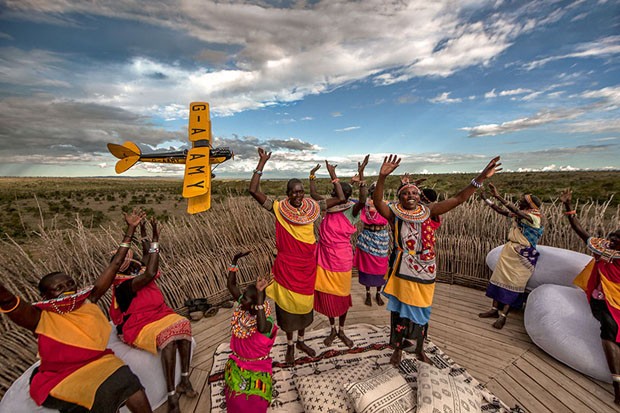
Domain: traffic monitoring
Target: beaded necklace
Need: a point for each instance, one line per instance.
(307, 213)
(243, 323)
(370, 206)
(600, 246)
(419, 214)
(65, 304)
(341, 207)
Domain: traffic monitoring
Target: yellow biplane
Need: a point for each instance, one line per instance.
(197, 160)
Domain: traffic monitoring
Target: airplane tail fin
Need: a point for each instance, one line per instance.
(127, 153)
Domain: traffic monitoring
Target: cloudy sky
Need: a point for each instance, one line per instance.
(445, 84)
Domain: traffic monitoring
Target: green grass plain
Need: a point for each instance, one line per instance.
(28, 203)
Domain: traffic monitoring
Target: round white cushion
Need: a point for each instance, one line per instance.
(558, 319)
(555, 265)
(145, 365)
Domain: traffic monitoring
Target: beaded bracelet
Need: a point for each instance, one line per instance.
(573, 212)
(124, 245)
(154, 251)
(259, 306)
(362, 184)
(233, 267)
(154, 245)
(335, 180)
(489, 202)
(256, 171)
(475, 183)
(3, 311)
(312, 177)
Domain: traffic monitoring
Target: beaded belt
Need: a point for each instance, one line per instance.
(374, 228)
(247, 359)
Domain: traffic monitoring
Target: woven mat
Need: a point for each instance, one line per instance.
(370, 343)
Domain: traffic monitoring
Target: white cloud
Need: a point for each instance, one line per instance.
(347, 129)
(512, 92)
(275, 60)
(490, 95)
(539, 119)
(603, 47)
(444, 98)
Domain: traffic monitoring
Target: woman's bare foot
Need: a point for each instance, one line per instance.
(423, 358)
(396, 357)
(173, 404)
(379, 299)
(616, 392)
(368, 301)
(304, 347)
(499, 323)
(330, 338)
(290, 355)
(492, 313)
(346, 340)
(185, 387)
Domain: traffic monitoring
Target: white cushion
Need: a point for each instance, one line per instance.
(438, 391)
(324, 392)
(387, 391)
(559, 320)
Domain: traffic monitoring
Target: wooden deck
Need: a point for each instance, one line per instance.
(507, 361)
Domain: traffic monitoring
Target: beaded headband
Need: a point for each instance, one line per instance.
(529, 200)
(406, 186)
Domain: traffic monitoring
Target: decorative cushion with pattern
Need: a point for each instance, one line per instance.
(325, 393)
(384, 392)
(439, 391)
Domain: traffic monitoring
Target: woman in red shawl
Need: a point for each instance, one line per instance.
(144, 320)
(294, 268)
(602, 288)
(77, 372)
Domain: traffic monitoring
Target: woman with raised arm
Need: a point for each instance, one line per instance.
(294, 268)
(602, 288)
(248, 371)
(372, 250)
(332, 295)
(518, 257)
(411, 283)
(77, 371)
(144, 320)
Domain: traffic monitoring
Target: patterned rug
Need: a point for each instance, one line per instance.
(370, 343)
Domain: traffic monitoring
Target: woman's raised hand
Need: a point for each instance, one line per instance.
(566, 196)
(362, 165)
(494, 191)
(133, 219)
(241, 255)
(390, 163)
(330, 168)
(316, 168)
(263, 155)
(489, 170)
(155, 229)
(263, 281)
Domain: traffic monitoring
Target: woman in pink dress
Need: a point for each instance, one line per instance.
(247, 374)
(332, 292)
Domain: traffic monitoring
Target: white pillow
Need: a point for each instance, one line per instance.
(438, 391)
(324, 392)
(387, 391)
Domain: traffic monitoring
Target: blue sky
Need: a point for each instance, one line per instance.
(445, 84)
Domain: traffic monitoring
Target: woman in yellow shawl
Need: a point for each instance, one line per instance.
(77, 373)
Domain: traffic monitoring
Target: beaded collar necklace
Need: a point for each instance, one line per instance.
(341, 207)
(419, 214)
(65, 304)
(307, 213)
(600, 246)
(370, 210)
(243, 323)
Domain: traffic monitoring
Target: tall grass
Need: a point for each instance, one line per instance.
(196, 250)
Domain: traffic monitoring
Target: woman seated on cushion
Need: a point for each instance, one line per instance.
(144, 320)
(248, 370)
(77, 372)
(602, 288)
